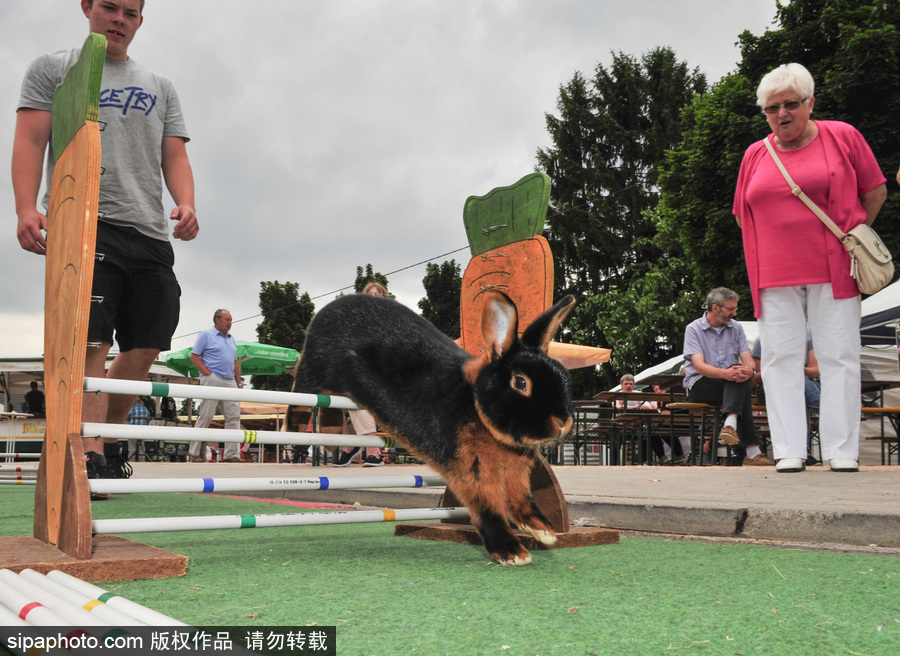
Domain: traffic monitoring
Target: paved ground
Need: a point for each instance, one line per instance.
(818, 506)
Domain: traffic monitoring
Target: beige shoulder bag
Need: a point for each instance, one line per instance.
(870, 260)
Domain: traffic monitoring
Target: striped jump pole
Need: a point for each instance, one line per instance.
(71, 614)
(145, 388)
(154, 524)
(176, 434)
(145, 485)
(79, 600)
(18, 468)
(22, 456)
(19, 481)
(141, 614)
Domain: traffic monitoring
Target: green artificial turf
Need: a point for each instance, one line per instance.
(395, 595)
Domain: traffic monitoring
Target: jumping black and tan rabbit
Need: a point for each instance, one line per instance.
(477, 420)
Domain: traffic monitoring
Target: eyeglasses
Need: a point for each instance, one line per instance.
(790, 105)
(732, 309)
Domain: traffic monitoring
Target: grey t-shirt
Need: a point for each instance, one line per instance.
(137, 109)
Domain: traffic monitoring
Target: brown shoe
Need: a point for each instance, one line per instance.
(759, 461)
(729, 436)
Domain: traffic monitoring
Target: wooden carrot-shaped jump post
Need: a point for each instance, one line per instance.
(62, 509)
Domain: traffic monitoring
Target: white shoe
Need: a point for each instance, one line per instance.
(787, 465)
(844, 465)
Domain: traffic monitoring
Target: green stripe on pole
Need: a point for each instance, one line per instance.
(248, 521)
(159, 389)
(323, 401)
(106, 596)
(249, 437)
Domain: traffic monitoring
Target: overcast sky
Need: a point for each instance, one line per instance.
(328, 135)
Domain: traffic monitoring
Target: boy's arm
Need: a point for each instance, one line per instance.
(33, 129)
(179, 176)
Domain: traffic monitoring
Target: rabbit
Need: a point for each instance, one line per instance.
(477, 420)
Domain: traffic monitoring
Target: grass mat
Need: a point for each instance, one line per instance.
(390, 596)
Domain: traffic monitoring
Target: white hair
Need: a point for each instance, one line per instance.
(787, 77)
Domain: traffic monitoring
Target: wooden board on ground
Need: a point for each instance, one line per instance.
(112, 559)
(576, 536)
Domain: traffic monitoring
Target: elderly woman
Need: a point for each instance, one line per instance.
(799, 271)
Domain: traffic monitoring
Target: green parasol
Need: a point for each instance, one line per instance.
(255, 359)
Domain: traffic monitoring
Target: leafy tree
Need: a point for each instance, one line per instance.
(440, 306)
(609, 140)
(363, 278)
(286, 316)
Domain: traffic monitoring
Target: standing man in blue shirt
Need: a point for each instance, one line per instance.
(719, 369)
(215, 356)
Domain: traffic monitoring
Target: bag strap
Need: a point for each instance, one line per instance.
(798, 192)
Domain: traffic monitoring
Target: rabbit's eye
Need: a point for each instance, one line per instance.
(521, 383)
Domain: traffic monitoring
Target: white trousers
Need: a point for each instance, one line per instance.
(207, 410)
(834, 326)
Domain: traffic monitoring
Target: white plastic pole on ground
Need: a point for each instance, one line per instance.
(72, 614)
(30, 610)
(9, 618)
(154, 524)
(145, 485)
(141, 613)
(176, 434)
(79, 600)
(145, 388)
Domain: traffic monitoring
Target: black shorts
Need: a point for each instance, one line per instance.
(141, 299)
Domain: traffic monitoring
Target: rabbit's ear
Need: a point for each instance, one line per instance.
(541, 331)
(499, 325)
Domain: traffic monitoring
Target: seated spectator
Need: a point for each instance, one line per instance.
(35, 401)
(719, 369)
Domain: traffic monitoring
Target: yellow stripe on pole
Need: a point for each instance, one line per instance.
(389, 515)
(91, 605)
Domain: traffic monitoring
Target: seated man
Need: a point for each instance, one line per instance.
(719, 369)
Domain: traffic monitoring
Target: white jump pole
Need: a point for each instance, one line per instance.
(71, 614)
(140, 613)
(145, 388)
(20, 481)
(145, 485)
(176, 434)
(28, 609)
(79, 600)
(18, 468)
(22, 456)
(154, 524)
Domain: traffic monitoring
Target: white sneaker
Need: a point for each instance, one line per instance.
(787, 465)
(844, 465)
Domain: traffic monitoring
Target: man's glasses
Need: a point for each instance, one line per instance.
(790, 105)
